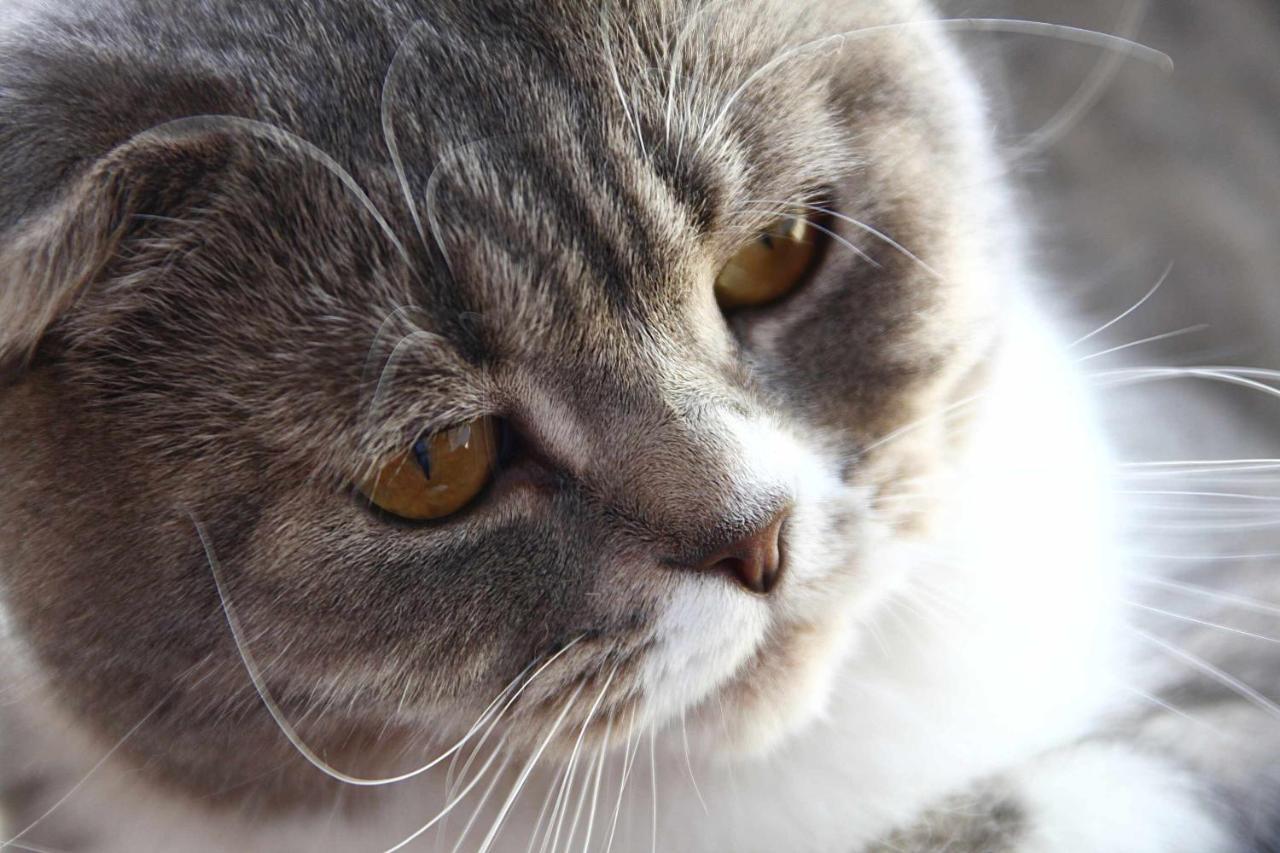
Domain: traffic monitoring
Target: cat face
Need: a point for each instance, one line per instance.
(496, 215)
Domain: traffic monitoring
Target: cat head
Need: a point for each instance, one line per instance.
(410, 346)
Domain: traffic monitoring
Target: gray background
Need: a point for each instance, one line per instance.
(1178, 168)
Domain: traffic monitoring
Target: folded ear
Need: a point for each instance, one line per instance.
(48, 258)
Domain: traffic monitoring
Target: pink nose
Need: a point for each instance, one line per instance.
(755, 560)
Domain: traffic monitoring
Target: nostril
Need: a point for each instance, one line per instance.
(735, 568)
(754, 560)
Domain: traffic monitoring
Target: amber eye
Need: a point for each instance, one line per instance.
(770, 267)
(439, 474)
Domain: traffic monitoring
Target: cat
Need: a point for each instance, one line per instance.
(630, 426)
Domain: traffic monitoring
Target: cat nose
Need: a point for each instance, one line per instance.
(754, 560)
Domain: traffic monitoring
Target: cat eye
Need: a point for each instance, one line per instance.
(771, 266)
(439, 474)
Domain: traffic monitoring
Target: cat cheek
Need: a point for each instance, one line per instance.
(706, 632)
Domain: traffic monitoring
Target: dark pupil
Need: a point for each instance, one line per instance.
(422, 452)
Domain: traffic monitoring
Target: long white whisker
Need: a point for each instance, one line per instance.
(628, 758)
(573, 762)
(922, 422)
(29, 846)
(1229, 376)
(1134, 307)
(1203, 623)
(433, 182)
(524, 773)
(677, 54)
(286, 728)
(1160, 703)
(1228, 680)
(998, 25)
(280, 136)
(1212, 464)
(688, 762)
(449, 806)
(484, 798)
(1195, 494)
(389, 131)
(1208, 558)
(595, 789)
(392, 364)
(865, 228)
(617, 81)
(562, 784)
(1198, 327)
(653, 788)
(12, 841)
(1089, 92)
(1226, 598)
(542, 812)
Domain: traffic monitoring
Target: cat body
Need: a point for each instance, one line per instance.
(249, 250)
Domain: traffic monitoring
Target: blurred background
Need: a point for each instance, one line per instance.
(1128, 170)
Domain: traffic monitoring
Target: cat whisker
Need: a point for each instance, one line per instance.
(1181, 617)
(1172, 709)
(577, 812)
(1209, 470)
(388, 125)
(484, 799)
(866, 229)
(449, 806)
(1186, 526)
(561, 810)
(1226, 679)
(688, 762)
(1230, 376)
(29, 846)
(574, 757)
(1198, 327)
(556, 781)
(390, 366)
(524, 774)
(889, 607)
(13, 840)
(285, 138)
(1089, 92)
(1256, 372)
(911, 427)
(1206, 479)
(1195, 512)
(675, 56)
(653, 788)
(1164, 277)
(1194, 494)
(994, 25)
(628, 759)
(1207, 558)
(595, 788)
(602, 753)
(838, 238)
(288, 730)
(616, 78)
(475, 751)
(396, 314)
(1239, 601)
(438, 172)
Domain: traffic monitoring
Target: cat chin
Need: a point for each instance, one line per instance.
(784, 689)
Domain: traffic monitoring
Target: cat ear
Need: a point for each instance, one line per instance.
(48, 259)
